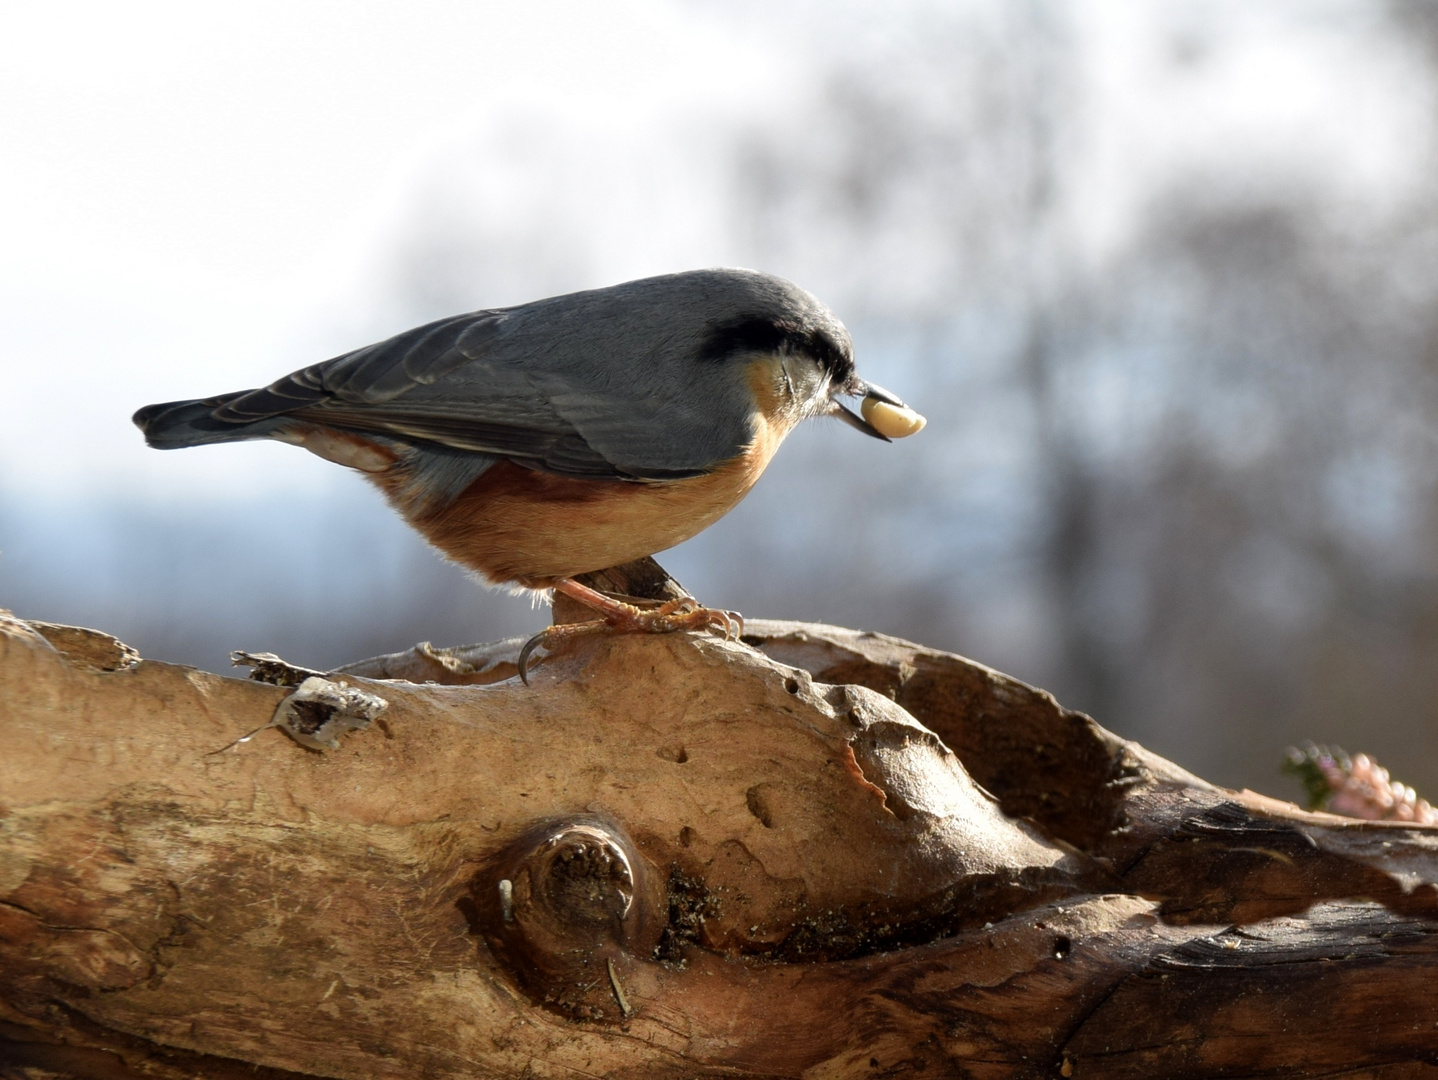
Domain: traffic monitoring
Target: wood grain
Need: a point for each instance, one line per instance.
(821, 853)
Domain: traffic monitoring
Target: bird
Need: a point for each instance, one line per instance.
(536, 443)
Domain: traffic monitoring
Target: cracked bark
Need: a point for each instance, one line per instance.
(816, 853)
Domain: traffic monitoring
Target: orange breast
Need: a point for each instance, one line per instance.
(518, 525)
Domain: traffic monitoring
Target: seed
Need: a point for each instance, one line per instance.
(895, 421)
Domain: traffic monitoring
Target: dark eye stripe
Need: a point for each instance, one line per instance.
(759, 334)
(745, 335)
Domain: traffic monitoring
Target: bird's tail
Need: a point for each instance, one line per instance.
(170, 425)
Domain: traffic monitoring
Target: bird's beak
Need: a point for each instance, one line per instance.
(854, 420)
(869, 390)
(884, 415)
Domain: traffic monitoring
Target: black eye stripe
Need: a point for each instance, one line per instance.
(745, 335)
(764, 335)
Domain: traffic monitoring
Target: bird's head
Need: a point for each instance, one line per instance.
(801, 364)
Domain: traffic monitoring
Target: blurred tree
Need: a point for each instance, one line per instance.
(1211, 511)
(1182, 475)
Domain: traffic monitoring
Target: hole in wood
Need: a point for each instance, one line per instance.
(562, 905)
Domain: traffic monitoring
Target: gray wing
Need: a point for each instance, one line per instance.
(566, 388)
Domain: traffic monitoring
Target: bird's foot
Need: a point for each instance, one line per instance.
(619, 617)
(686, 613)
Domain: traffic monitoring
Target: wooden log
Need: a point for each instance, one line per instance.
(814, 853)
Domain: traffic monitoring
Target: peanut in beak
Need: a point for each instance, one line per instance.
(893, 421)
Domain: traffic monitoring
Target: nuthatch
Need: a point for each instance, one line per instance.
(535, 443)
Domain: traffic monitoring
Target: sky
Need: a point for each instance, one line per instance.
(198, 198)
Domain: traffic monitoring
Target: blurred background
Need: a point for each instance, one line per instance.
(1162, 276)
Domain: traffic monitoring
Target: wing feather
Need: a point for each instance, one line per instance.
(617, 382)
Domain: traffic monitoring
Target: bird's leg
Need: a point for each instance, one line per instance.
(684, 613)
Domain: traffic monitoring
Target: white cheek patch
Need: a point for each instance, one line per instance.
(894, 421)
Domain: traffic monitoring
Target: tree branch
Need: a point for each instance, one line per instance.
(818, 852)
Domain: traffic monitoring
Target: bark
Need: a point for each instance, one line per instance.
(815, 852)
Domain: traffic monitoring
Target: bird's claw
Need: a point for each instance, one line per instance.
(551, 636)
(684, 613)
(697, 617)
